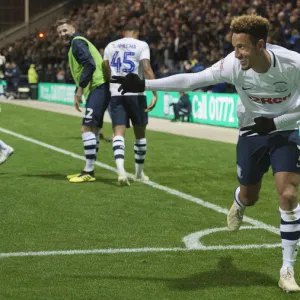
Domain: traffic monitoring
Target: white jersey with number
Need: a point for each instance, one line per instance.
(124, 56)
(269, 94)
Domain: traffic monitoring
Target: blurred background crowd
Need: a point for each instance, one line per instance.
(183, 35)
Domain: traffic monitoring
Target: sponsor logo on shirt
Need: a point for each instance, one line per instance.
(269, 100)
(280, 86)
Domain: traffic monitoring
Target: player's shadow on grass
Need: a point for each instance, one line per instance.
(226, 274)
(73, 138)
(109, 181)
(53, 176)
(58, 176)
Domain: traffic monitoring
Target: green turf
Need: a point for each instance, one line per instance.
(42, 211)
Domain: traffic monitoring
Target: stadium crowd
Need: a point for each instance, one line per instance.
(183, 35)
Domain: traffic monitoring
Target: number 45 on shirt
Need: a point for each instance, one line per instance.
(117, 62)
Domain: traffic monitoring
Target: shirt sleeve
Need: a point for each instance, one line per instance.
(84, 57)
(223, 70)
(296, 77)
(145, 54)
(220, 72)
(288, 119)
(181, 82)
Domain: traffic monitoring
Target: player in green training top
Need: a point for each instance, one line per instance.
(88, 72)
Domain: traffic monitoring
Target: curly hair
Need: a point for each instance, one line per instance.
(256, 26)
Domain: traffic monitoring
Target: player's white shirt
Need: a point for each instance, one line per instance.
(269, 94)
(124, 56)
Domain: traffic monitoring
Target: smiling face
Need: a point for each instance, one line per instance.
(246, 51)
(65, 32)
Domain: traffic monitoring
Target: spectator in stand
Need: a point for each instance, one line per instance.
(68, 75)
(173, 30)
(163, 72)
(15, 77)
(183, 106)
(33, 78)
(50, 75)
(8, 78)
(60, 75)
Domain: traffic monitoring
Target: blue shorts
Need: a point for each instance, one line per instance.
(125, 108)
(96, 105)
(255, 154)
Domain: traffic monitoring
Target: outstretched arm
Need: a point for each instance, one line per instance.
(220, 72)
(182, 82)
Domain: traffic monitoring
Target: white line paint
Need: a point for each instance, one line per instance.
(212, 206)
(92, 251)
(154, 185)
(240, 247)
(193, 240)
(136, 250)
(151, 183)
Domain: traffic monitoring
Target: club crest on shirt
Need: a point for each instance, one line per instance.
(280, 86)
(222, 64)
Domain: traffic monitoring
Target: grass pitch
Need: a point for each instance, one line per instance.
(42, 211)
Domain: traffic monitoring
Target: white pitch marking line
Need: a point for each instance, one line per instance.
(136, 250)
(192, 241)
(152, 184)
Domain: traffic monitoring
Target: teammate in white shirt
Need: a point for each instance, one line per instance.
(267, 79)
(5, 150)
(123, 56)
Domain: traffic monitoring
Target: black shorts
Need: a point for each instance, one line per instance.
(125, 108)
(255, 154)
(96, 105)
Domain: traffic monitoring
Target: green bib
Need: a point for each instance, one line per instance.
(77, 69)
